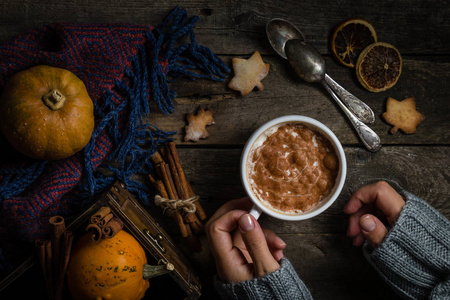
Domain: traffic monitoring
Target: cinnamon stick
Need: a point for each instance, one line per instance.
(43, 260)
(112, 228)
(64, 263)
(96, 232)
(176, 176)
(195, 228)
(200, 212)
(200, 225)
(195, 224)
(152, 178)
(176, 161)
(102, 223)
(171, 182)
(190, 218)
(161, 170)
(49, 266)
(188, 229)
(179, 220)
(159, 185)
(57, 229)
(156, 158)
(100, 214)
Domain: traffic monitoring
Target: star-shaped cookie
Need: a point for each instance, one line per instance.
(403, 115)
(248, 73)
(197, 125)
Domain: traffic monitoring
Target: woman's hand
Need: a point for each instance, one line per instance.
(368, 208)
(241, 248)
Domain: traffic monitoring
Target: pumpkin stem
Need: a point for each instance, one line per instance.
(54, 99)
(150, 271)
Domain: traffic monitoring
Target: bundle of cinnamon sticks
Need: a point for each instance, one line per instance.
(53, 255)
(177, 197)
(103, 224)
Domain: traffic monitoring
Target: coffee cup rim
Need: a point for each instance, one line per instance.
(340, 179)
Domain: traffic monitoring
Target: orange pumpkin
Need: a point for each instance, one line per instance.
(46, 113)
(109, 269)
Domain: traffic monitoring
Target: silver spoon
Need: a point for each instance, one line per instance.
(310, 66)
(280, 31)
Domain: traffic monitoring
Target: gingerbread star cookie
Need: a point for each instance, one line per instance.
(248, 73)
(197, 125)
(403, 115)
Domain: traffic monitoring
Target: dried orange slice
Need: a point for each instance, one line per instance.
(350, 38)
(379, 66)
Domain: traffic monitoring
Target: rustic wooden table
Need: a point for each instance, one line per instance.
(318, 248)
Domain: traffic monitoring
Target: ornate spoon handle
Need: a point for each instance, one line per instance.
(369, 138)
(361, 110)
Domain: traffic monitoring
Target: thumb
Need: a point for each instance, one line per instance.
(255, 241)
(373, 229)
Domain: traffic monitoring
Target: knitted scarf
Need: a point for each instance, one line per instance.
(123, 67)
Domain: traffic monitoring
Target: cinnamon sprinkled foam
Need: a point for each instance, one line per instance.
(291, 168)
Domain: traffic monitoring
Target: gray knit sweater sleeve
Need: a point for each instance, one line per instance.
(414, 258)
(283, 284)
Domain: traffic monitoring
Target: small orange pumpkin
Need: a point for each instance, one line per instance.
(109, 269)
(46, 113)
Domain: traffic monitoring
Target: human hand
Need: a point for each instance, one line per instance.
(241, 248)
(367, 206)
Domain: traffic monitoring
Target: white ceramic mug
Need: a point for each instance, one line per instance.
(312, 124)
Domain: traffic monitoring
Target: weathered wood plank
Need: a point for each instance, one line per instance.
(238, 27)
(284, 94)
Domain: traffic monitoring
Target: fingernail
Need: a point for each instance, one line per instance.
(246, 223)
(368, 224)
(281, 242)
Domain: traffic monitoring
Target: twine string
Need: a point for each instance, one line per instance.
(172, 205)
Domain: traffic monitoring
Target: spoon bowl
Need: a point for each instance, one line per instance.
(306, 61)
(279, 32)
